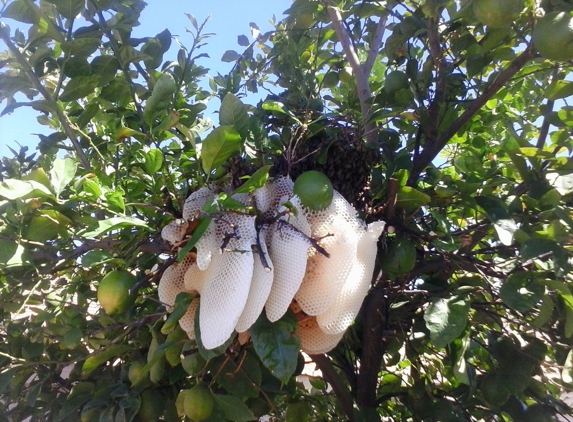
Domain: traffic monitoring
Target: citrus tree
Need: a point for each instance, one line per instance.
(449, 121)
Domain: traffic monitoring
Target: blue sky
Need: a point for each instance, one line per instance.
(229, 19)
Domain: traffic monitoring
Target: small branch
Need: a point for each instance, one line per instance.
(391, 198)
(375, 45)
(331, 376)
(364, 93)
(432, 150)
(544, 131)
(38, 84)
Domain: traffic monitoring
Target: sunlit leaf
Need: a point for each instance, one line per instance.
(446, 318)
(93, 362)
(234, 113)
(220, 145)
(112, 224)
(257, 180)
(62, 173)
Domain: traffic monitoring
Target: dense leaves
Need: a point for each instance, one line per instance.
(438, 117)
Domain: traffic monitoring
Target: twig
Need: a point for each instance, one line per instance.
(543, 132)
(38, 84)
(433, 149)
(332, 377)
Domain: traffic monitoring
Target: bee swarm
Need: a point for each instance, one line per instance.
(319, 263)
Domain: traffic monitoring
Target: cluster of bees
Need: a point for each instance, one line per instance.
(281, 256)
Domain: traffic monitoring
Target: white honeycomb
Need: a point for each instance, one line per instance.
(313, 340)
(346, 306)
(174, 232)
(196, 201)
(173, 280)
(235, 284)
(260, 288)
(288, 250)
(224, 295)
(325, 276)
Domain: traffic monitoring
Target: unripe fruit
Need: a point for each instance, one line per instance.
(553, 36)
(198, 402)
(395, 81)
(113, 292)
(314, 190)
(497, 13)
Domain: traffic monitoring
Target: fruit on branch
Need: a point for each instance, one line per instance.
(198, 402)
(113, 292)
(314, 190)
(497, 13)
(553, 36)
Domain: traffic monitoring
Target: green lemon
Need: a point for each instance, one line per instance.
(553, 36)
(497, 13)
(399, 258)
(151, 406)
(198, 403)
(113, 292)
(395, 81)
(314, 190)
(136, 376)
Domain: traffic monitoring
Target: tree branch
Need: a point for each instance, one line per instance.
(372, 347)
(331, 376)
(375, 45)
(364, 93)
(432, 149)
(44, 92)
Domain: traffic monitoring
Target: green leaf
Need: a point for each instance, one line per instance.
(220, 145)
(230, 56)
(279, 107)
(235, 410)
(41, 228)
(112, 224)
(446, 318)
(257, 180)
(22, 11)
(199, 230)
(12, 189)
(153, 161)
(128, 54)
(12, 254)
(79, 87)
(240, 378)
(69, 9)
(234, 113)
(276, 345)
(106, 67)
(182, 302)
(62, 173)
(409, 197)
(521, 291)
(493, 207)
(243, 40)
(92, 363)
(81, 47)
(545, 312)
(534, 247)
(558, 90)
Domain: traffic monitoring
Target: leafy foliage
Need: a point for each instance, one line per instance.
(456, 133)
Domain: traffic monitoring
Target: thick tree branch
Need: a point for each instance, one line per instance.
(372, 348)
(44, 92)
(432, 149)
(333, 378)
